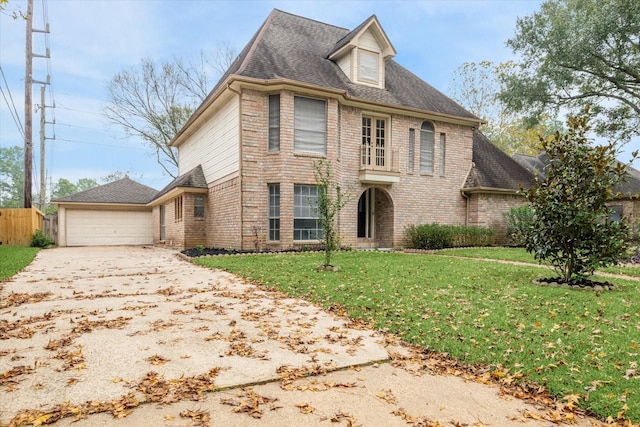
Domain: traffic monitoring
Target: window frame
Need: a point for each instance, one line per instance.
(376, 140)
(303, 133)
(273, 211)
(273, 120)
(443, 152)
(305, 213)
(364, 77)
(427, 137)
(199, 206)
(412, 150)
(177, 208)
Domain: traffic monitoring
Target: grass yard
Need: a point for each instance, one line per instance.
(521, 255)
(14, 259)
(573, 342)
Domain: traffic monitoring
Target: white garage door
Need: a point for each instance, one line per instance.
(103, 227)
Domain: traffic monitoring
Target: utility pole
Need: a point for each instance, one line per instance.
(28, 111)
(28, 125)
(43, 178)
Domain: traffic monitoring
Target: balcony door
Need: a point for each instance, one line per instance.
(373, 142)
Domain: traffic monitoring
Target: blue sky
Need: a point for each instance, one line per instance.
(92, 40)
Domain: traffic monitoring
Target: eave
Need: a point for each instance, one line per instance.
(175, 192)
(101, 206)
(235, 83)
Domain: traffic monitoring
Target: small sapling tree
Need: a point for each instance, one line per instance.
(570, 231)
(331, 199)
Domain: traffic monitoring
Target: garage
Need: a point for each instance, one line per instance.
(109, 215)
(108, 227)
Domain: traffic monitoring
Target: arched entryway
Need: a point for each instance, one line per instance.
(375, 219)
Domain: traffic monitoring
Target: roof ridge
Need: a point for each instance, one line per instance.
(255, 41)
(310, 19)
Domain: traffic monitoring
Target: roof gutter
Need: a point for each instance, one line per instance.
(488, 190)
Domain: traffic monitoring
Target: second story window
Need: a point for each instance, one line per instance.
(310, 125)
(274, 122)
(443, 152)
(412, 149)
(373, 141)
(426, 148)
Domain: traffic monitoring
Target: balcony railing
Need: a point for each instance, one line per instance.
(379, 165)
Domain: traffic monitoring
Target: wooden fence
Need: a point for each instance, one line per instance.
(50, 226)
(18, 225)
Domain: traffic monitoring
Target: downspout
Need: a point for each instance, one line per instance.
(466, 215)
(240, 159)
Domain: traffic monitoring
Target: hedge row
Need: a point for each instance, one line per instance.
(436, 236)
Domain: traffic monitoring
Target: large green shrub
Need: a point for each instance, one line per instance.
(570, 230)
(436, 236)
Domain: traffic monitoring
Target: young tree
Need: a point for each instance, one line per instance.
(331, 199)
(579, 52)
(154, 100)
(570, 230)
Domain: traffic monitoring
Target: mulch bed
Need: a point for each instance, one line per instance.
(198, 252)
(580, 284)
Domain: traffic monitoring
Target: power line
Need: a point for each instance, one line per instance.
(12, 107)
(102, 144)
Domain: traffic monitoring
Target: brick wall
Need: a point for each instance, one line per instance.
(418, 198)
(222, 214)
(194, 228)
(488, 209)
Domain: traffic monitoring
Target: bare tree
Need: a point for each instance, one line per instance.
(477, 87)
(154, 100)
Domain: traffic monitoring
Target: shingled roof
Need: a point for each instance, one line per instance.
(192, 179)
(628, 187)
(122, 191)
(494, 169)
(295, 48)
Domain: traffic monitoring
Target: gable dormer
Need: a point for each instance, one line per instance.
(363, 53)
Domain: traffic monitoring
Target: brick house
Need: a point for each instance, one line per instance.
(302, 91)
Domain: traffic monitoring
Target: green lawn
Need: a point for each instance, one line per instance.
(14, 259)
(521, 255)
(570, 341)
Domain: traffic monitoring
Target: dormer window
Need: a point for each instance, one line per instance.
(363, 54)
(368, 66)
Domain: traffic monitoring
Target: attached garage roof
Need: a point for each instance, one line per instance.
(123, 191)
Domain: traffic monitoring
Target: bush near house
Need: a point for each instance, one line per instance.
(519, 221)
(41, 239)
(437, 236)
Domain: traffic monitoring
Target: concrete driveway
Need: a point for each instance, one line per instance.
(138, 336)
